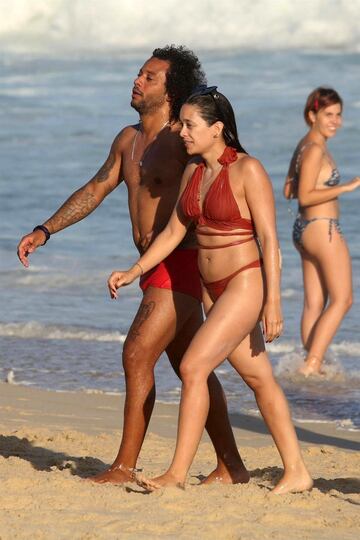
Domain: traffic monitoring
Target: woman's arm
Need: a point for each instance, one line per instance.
(260, 199)
(162, 246)
(288, 189)
(311, 164)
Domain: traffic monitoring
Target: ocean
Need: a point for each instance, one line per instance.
(66, 74)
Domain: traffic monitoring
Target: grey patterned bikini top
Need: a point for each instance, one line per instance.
(334, 179)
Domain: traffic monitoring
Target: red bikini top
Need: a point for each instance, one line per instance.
(220, 210)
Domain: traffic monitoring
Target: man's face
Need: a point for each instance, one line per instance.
(149, 92)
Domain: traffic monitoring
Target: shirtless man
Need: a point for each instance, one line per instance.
(150, 158)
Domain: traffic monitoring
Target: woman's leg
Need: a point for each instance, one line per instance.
(227, 471)
(333, 259)
(315, 298)
(252, 363)
(229, 463)
(231, 318)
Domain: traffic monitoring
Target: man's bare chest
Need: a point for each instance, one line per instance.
(158, 172)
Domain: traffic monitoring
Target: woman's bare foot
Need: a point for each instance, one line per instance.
(116, 474)
(312, 366)
(152, 484)
(295, 481)
(227, 476)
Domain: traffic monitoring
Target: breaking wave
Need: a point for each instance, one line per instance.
(53, 26)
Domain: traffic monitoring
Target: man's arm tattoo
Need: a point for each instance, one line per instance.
(81, 203)
(103, 173)
(78, 206)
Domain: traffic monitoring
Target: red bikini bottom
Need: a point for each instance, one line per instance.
(216, 288)
(179, 272)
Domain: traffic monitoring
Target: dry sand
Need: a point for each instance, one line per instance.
(50, 441)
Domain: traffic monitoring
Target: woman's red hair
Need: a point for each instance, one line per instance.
(319, 99)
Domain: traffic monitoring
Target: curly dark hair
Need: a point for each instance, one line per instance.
(183, 76)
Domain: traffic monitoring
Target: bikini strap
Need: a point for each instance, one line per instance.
(228, 156)
(227, 233)
(235, 243)
(299, 154)
(195, 177)
(224, 281)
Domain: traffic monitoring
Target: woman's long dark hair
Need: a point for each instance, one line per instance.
(213, 107)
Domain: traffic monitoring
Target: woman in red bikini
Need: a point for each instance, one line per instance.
(314, 180)
(228, 196)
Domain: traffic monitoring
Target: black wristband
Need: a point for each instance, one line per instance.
(45, 230)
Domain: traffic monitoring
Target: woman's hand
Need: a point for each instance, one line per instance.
(120, 278)
(289, 190)
(272, 320)
(353, 184)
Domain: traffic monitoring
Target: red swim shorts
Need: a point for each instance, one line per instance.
(179, 272)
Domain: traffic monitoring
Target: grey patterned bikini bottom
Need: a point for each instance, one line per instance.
(301, 223)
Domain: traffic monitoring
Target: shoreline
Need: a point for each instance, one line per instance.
(249, 429)
(50, 441)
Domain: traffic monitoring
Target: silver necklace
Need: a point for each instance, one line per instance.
(208, 182)
(141, 161)
(212, 177)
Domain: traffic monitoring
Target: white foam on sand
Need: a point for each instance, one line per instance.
(346, 424)
(350, 348)
(40, 331)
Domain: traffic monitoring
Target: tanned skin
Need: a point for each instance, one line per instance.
(166, 320)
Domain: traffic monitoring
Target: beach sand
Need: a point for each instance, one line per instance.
(51, 441)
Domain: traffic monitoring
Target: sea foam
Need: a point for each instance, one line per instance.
(50, 26)
(36, 330)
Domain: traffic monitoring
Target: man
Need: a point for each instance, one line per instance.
(150, 158)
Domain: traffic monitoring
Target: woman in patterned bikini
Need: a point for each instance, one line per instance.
(228, 196)
(313, 179)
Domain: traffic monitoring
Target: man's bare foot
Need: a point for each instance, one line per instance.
(116, 474)
(152, 484)
(295, 481)
(225, 476)
(312, 366)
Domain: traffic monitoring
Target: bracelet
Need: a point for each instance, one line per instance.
(45, 230)
(141, 268)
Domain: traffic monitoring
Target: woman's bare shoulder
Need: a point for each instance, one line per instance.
(249, 165)
(191, 165)
(311, 149)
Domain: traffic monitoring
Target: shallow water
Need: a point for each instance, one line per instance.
(58, 328)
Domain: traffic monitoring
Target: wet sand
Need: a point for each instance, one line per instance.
(51, 441)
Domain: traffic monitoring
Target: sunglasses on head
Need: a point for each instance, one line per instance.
(205, 91)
